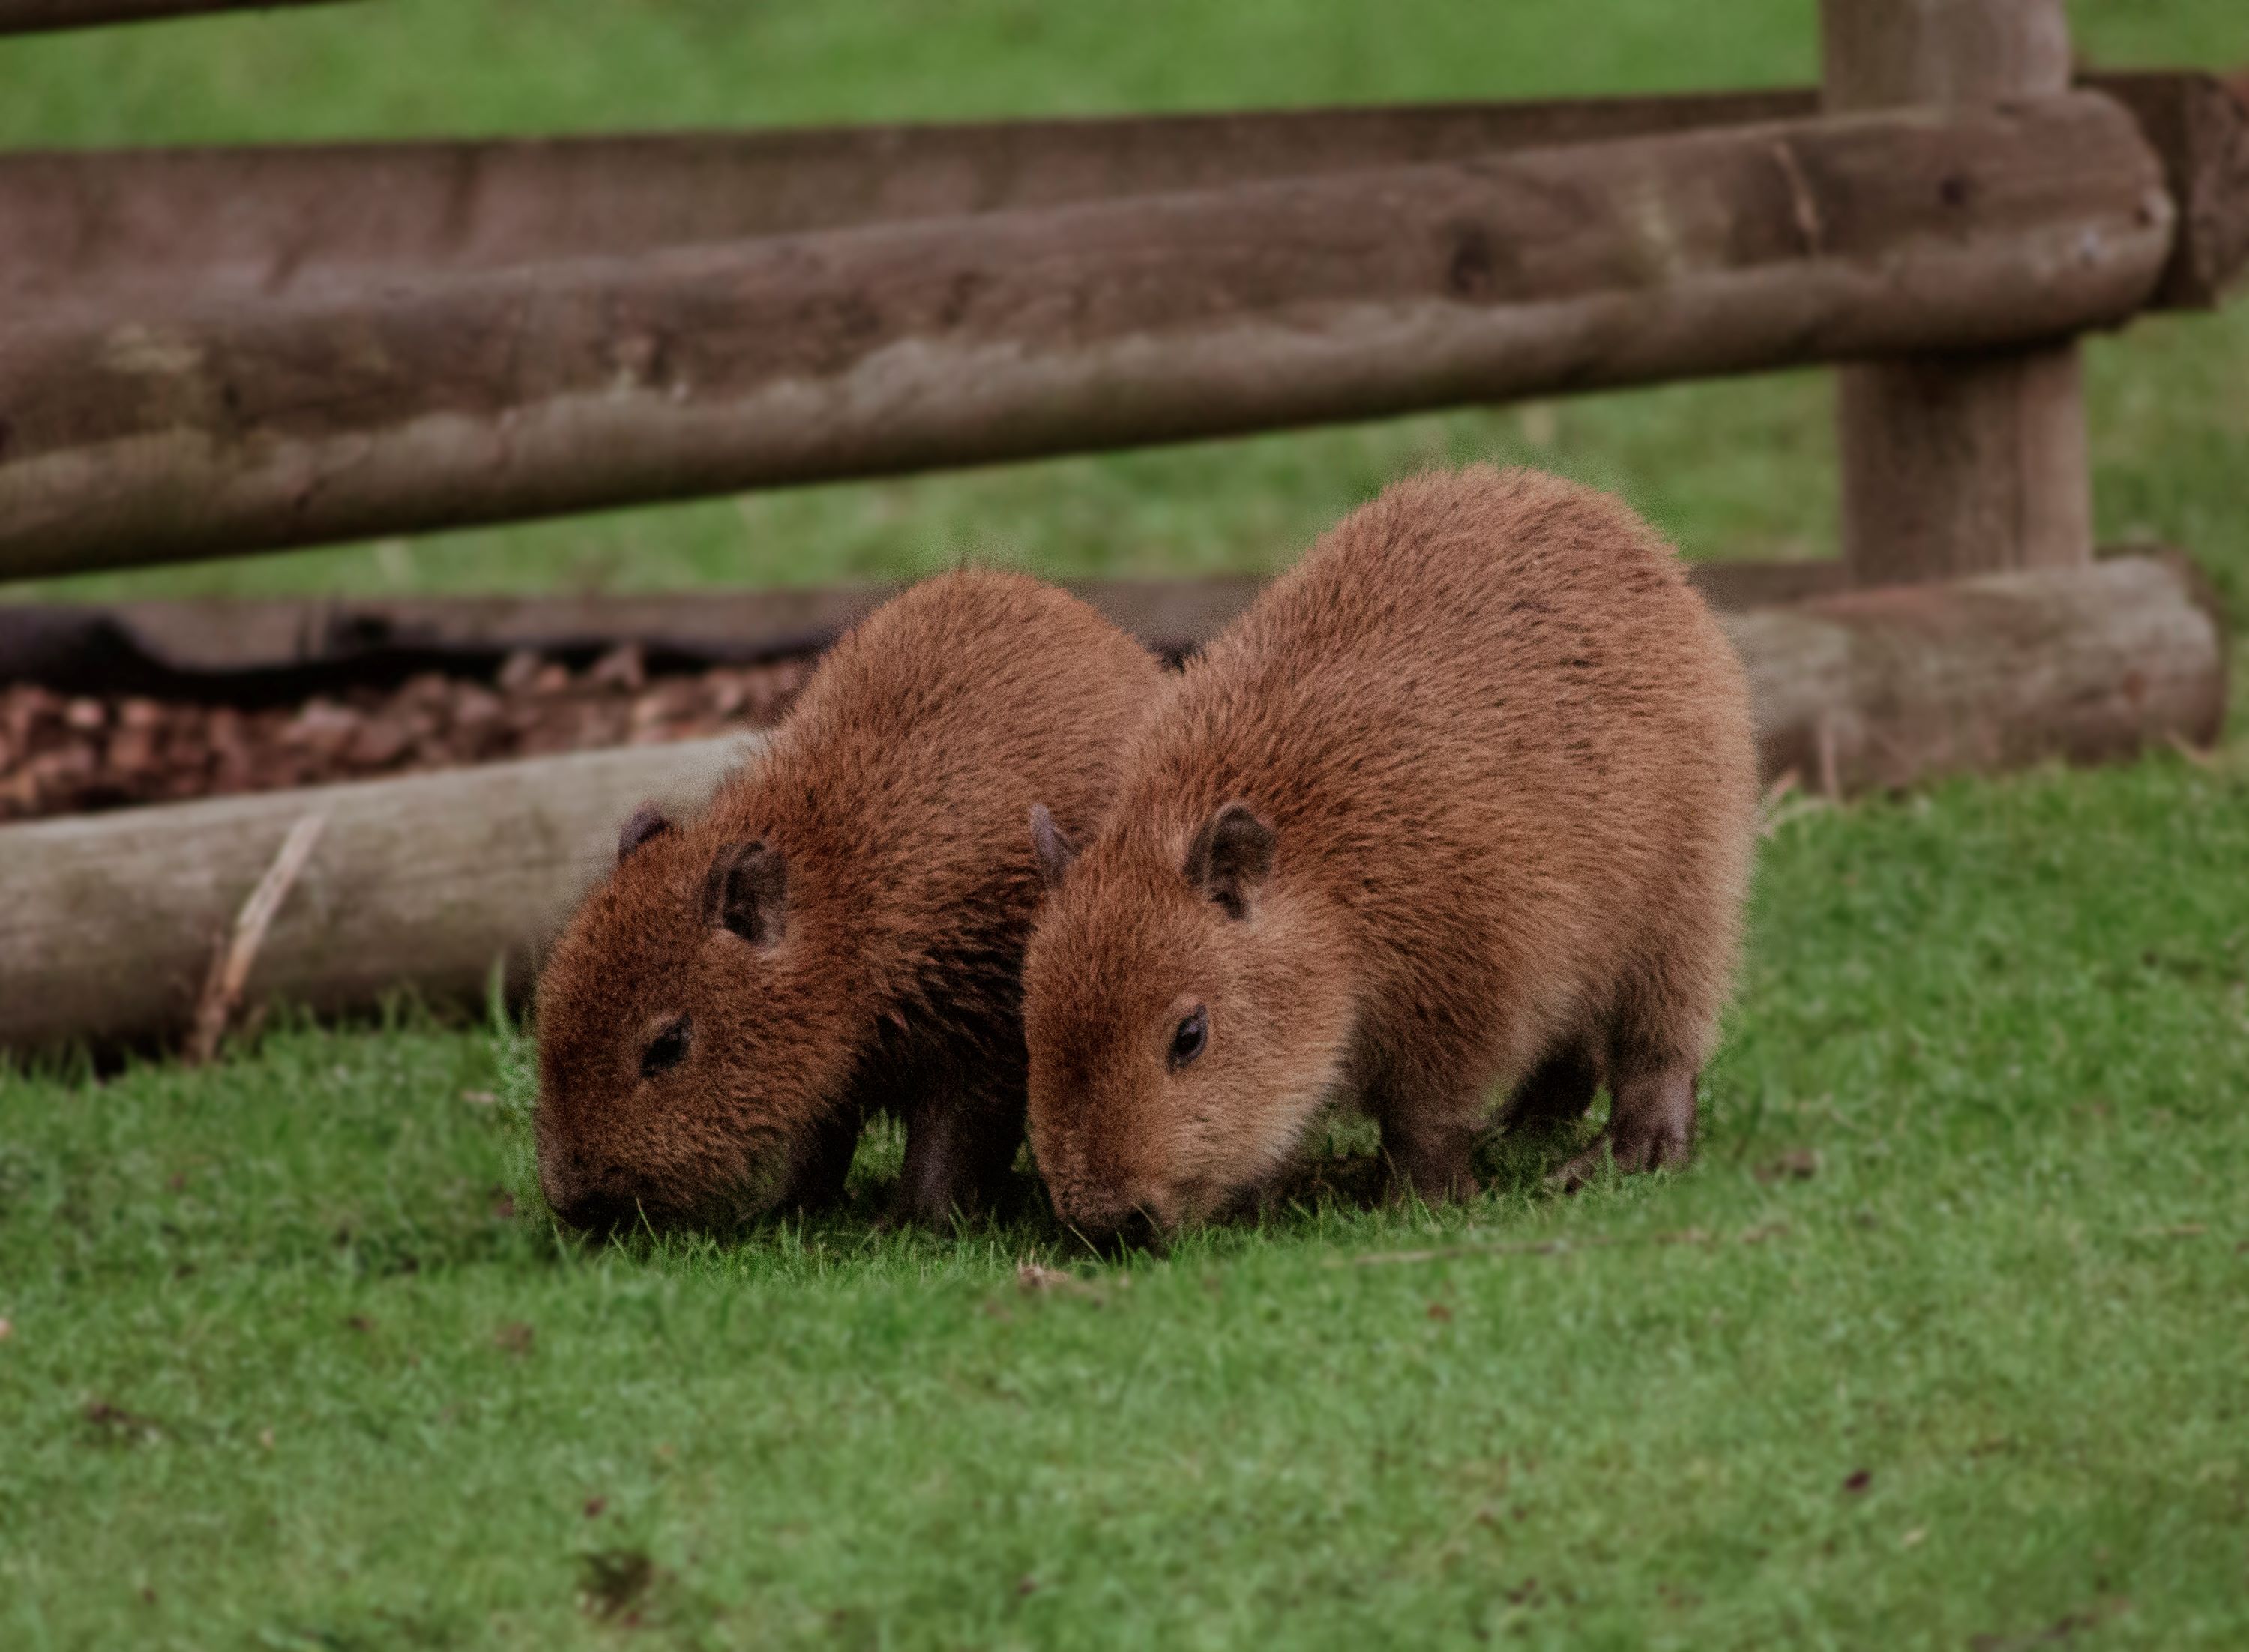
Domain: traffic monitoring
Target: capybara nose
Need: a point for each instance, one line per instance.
(1110, 1226)
(598, 1212)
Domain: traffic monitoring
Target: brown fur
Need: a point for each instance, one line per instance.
(1499, 781)
(874, 866)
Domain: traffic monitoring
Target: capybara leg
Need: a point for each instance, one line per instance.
(960, 1144)
(1429, 1145)
(1433, 1166)
(820, 1161)
(1557, 1091)
(1651, 1124)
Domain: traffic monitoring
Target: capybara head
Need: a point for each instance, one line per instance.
(1187, 1009)
(685, 1038)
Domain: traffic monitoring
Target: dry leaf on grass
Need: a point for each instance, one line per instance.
(1034, 1279)
(1798, 1164)
(119, 1423)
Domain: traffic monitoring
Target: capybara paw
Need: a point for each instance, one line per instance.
(1631, 1151)
(1434, 1172)
(1430, 1187)
(927, 1206)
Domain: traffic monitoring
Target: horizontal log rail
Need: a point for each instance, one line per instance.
(224, 649)
(108, 922)
(151, 228)
(525, 391)
(32, 16)
(148, 226)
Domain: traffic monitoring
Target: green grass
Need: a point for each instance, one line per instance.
(2010, 1021)
(268, 1380)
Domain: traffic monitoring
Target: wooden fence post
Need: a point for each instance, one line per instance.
(1956, 464)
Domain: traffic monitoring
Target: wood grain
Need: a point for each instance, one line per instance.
(154, 229)
(526, 392)
(1953, 463)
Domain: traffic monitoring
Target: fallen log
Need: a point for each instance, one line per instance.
(108, 922)
(151, 229)
(1872, 690)
(953, 341)
(32, 16)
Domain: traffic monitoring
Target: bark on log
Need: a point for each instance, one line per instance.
(1954, 464)
(107, 922)
(94, 229)
(152, 229)
(31, 16)
(2200, 126)
(1884, 689)
(965, 340)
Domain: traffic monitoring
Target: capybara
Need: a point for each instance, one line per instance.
(1464, 805)
(842, 930)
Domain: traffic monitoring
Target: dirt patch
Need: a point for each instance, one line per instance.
(72, 754)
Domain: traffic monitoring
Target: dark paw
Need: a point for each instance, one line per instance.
(1632, 1152)
(1433, 1184)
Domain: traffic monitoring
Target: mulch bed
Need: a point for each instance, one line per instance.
(70, 754)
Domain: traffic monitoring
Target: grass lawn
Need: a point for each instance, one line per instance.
(1941, 1342)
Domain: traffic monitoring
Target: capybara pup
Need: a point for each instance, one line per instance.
(1465, 804)
(842, 930)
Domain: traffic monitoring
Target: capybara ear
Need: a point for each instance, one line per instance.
(1230, 858)
(647, 822)
(748, 892)
(1055, 851)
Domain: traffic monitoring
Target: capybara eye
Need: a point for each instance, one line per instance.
(1192, 1033)
(666, 1050)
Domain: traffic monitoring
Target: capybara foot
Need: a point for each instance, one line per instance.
(1650, 1128)
(960, 1142)
(1431, 1164)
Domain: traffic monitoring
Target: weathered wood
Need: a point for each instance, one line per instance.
(107, 922)
(951, 341)
(1952, 465)
(2200, 126)
(154, 229)
(201, 647)
(31, 16)
(1885, 688)
(148, 227)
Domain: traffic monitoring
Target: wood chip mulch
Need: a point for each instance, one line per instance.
(63, 755)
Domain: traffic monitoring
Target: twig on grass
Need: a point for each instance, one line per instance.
(238, 953)
(2201, 757)
(1786, 801)
(1831, 784)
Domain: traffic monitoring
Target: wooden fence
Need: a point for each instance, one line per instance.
(215, 352)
